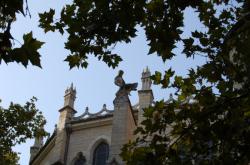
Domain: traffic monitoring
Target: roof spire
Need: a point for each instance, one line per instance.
(70, 95)
(146, 81)
(87, 109)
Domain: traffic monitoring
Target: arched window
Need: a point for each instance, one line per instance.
(101, 154)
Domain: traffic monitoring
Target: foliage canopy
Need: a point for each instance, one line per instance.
(28, 50)
(208, 121)
(18, 123)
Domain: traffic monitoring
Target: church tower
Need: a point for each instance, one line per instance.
(98, 137)
(63, 126)
(146, 96)
(67, 112)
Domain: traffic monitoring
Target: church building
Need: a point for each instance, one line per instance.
(94, 138)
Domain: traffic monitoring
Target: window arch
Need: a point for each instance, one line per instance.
(101, 154)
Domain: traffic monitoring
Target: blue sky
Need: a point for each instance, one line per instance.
(94, 85)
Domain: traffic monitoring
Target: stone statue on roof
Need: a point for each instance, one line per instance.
(125, 89)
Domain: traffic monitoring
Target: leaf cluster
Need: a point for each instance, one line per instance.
(17, 124)
(208, 121)
(95, 27)
(28, 51)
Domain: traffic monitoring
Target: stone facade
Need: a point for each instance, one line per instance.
(76, 139)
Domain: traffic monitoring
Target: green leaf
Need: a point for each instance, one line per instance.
(46, 20)
(197, 34)
(166, 79)
(74, 60)
(156, 77)
(31, 46)
(204, 41)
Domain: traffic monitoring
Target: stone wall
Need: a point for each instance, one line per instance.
(49, 158)
(85, 137)
(47, 155)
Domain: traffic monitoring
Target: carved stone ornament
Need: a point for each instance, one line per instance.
(86, 115)
(79, 159)
(125, 89)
